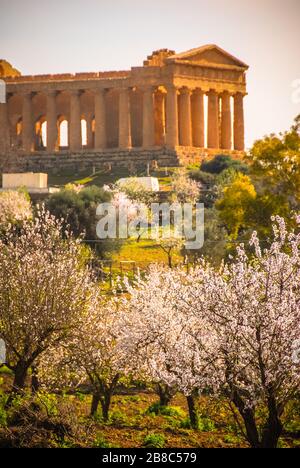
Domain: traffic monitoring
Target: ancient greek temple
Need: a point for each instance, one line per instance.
(175, 107)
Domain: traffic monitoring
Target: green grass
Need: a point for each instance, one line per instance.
(103, 177)
(172, 411)
(145, 251)
(154, 441)
(193, 167)
(100, 178)
(6, 370)
(100, 442)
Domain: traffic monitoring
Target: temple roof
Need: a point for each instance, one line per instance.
(209, 54)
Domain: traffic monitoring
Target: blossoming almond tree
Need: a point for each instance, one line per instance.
(157, 334)
(14, 207)
(91, 356)
(233, 331)
(185, 189)
(170, 244)
(253, 307)
(138, 215)
(44, 290)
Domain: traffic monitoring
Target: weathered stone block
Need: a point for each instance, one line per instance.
(25, 179)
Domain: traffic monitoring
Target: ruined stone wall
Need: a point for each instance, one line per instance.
(90, 161)
(114, 158)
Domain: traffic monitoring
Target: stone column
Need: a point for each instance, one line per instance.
(100, 119)
(172, 117)
(124, 119)
(226, 140)
(160, 137)
(75, 142)
(213, 120)
(52, 133)
(4, 128)
(27, 123)
(148, 117)
(89, 132)
(185, 117)
(197, 103)
(238, 122)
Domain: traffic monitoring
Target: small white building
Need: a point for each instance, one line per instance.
(34, 182)
(30, 180)
(149, 183)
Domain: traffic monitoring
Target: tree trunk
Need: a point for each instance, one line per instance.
(192, 412)
(34, 381)
(20, 377)
(105, 403)
(18, 386)
(251, 429)
(165, 393)
(94, 404)
(170, 260)
(249, 420)
(271, 434)
(103, 394)
(273, 428)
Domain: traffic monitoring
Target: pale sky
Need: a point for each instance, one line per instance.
(56, 36)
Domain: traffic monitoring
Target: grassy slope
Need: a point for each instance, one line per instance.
(101, 178)
(144, 251)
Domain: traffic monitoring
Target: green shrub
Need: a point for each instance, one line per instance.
(221, 162)
(172, 411)
(78, 209)
(3, 413)
(49, 402)
(6, 370)
(154, 441)
(80, 396)
(100, 442)
(117, 417)
(64, 444)
(204, 424)
(282, 444)
(231, 439)
(292, 426)
(154, 408)
(135, 398)
(292, 417)
(185, 424)
(205, 178)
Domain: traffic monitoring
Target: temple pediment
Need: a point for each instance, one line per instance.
(208, 55)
